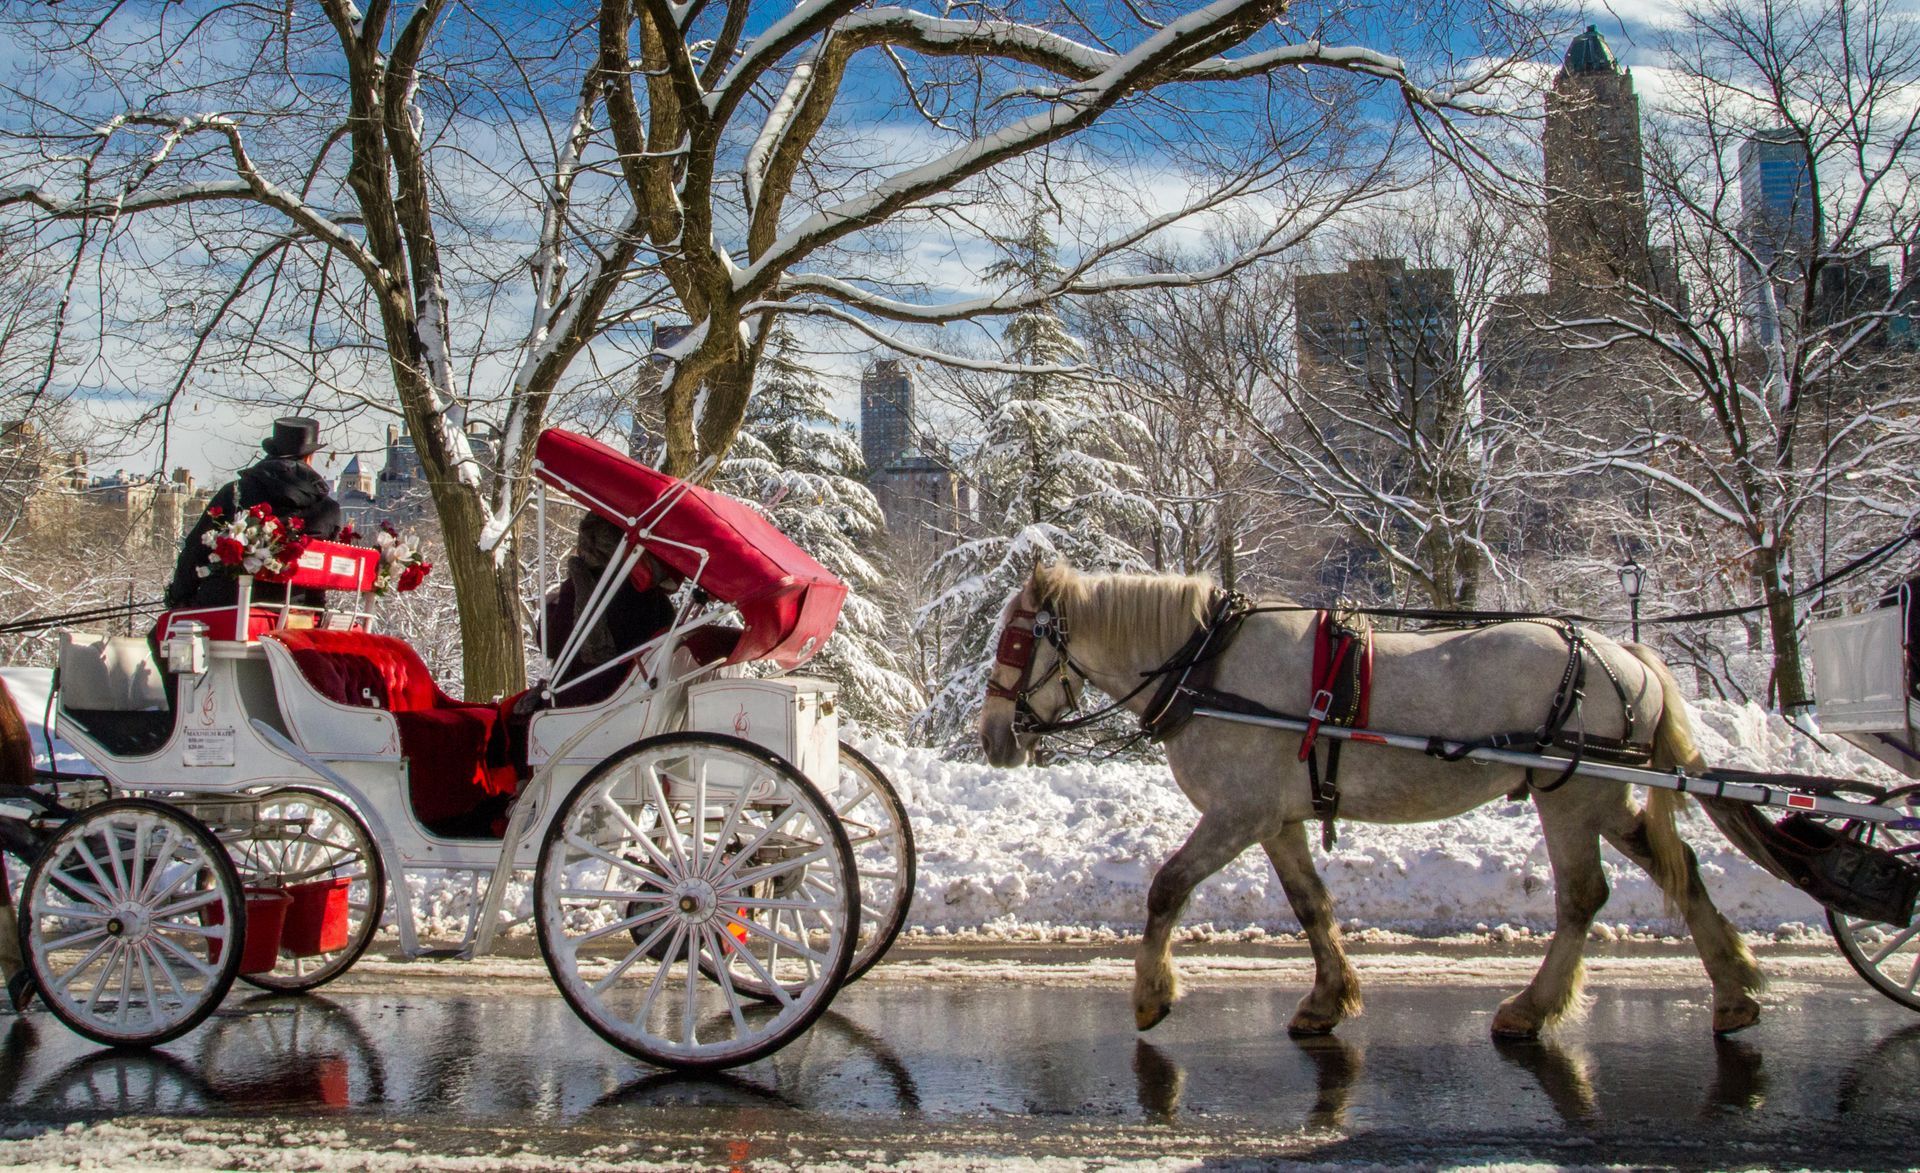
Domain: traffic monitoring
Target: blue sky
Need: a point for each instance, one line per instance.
(213, 438)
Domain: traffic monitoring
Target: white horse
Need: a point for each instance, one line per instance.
(1251, 788)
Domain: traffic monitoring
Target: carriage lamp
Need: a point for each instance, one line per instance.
(1633, 577)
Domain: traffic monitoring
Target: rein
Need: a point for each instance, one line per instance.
(1016, 651)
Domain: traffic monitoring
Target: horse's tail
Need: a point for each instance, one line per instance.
(1673, 745)
(16, 747)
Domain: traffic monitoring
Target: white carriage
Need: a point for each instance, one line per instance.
(709, 864)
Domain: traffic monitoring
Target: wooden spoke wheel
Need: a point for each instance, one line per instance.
(875, 821)
(315, 847)
(656, 896)
(133, 922)
(1888, 956)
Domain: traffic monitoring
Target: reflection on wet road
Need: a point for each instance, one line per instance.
(1831, 1067)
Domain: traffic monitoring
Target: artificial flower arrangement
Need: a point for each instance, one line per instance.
(253, 541)
(402, 566)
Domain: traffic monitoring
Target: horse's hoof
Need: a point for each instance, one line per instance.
(1306, 1026)
(1511, 1024)
(20, 991)
(1735, 1016)
(1148, 1017)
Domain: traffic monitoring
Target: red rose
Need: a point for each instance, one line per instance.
(229, 551)
(414, 575)
(347, 535)
(216, 512)
(297, 524)
(262, 510)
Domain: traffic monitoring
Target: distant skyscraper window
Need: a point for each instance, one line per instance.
(886, 413)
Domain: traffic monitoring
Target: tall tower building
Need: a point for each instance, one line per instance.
(886, 413)
(1779, 223)
(1596, 189)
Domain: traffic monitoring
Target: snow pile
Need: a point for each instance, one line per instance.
(1021, 853)
(1069, 849)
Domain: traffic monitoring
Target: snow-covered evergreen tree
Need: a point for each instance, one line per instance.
(801, 466)
(1053, 487)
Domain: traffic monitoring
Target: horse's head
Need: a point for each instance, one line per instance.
(1030, 685)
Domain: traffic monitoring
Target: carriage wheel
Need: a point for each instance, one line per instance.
(306, 837)
(875, 820)
(132, 922)
(653, 892)
(1887, 956)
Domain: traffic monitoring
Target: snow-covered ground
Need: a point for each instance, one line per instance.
(1068, 850)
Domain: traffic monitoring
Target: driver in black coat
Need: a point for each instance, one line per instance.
(284, 480)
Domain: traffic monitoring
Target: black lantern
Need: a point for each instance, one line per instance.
(1633, 578)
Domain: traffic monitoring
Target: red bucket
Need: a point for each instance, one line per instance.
(317, 921)
(266, 917)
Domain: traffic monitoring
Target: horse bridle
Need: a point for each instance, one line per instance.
(1015, 651)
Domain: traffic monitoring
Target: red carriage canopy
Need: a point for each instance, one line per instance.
(788, 601)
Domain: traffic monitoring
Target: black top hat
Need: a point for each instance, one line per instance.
(293, 436)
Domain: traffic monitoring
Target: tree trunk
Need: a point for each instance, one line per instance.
(1789, 670)
(493, 660)
(1229, 569)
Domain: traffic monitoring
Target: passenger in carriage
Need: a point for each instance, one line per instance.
(284, 480)
(633, 616)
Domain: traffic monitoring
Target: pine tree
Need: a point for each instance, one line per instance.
(803, 468)
(1053, 487)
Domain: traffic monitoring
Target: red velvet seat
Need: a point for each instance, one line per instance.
(457, 773)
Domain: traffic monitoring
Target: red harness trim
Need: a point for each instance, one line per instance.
(1332, 643)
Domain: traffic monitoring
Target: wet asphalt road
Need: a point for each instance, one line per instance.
(1831, 1079)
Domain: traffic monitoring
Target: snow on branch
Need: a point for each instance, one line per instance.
(251, 186)
(1148, 64)
(902, 346)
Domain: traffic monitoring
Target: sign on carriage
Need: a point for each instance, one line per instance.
(209, 747)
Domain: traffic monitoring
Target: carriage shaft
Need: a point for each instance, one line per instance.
(1783, 795)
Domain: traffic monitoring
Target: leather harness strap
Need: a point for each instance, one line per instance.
(1342, 684)
(1192, 666)
(1015, 651)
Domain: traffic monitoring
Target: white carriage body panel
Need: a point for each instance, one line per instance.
(323, 726)
(211, 745)
(634, 711)
(796, 717)
(1860, 671)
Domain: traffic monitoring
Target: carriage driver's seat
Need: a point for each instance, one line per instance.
(458, 779)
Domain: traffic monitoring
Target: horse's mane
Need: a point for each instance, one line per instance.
(1158, 611)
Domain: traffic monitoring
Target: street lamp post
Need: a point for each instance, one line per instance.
(1633, 577)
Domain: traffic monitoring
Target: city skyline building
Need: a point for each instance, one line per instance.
(886, 413)
(1378, 324)
(1596, 208)
(1779, 227)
